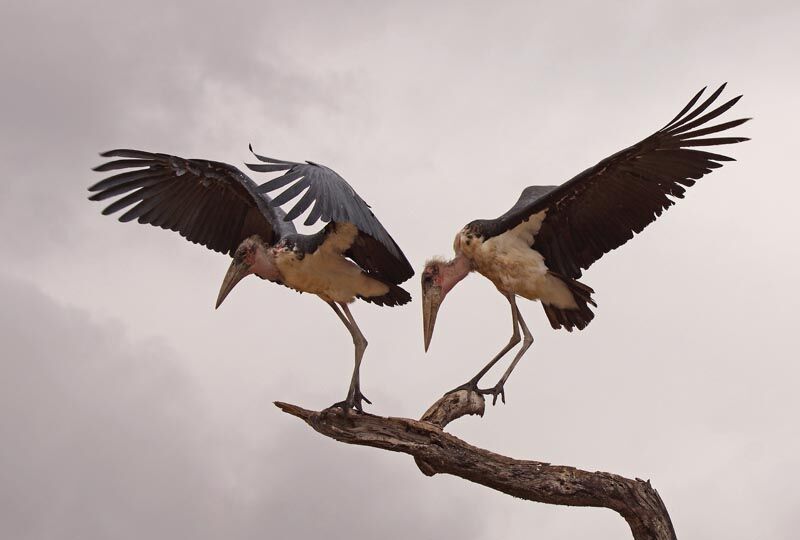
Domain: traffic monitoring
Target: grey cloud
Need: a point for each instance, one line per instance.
(100, 435)
(103, 437)
(327, 490)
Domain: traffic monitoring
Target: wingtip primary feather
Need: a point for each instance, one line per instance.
(686, 115)
(685, 108)
(266, 159)
(129, 153)
(130, 163)
(269, 167)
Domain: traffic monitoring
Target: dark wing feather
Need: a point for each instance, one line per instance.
(207, 202)
(601, 208)
(334, 200)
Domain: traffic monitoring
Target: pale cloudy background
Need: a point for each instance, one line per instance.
(129, 408)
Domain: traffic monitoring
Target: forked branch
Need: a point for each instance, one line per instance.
(436, 451)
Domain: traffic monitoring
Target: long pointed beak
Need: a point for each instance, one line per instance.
(431, 300)
(236, 271)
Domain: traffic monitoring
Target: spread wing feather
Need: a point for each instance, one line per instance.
(604, 206)
(207, 202)
(334, 200)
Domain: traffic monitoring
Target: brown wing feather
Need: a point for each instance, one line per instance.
(603, 207)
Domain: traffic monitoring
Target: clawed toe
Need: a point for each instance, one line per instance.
(496, 390)
(357, 401)
(354, 401)
(471, 386)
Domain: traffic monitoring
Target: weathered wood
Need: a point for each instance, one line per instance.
(454, 405)
(436, 451)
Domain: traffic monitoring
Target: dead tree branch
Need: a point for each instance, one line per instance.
(436, 451)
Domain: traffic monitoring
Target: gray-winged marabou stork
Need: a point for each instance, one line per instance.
(538, 248)
(217, 205)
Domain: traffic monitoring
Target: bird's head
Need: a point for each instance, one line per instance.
(438, 278)
(243, 264)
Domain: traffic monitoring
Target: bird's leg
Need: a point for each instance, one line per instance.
(354, 396)
(354, 393)
(527, 341)
(472, 384)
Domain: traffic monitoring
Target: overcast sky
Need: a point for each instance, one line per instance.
(129, 408)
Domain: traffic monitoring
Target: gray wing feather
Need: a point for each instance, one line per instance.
(335, 200)
(207, 202)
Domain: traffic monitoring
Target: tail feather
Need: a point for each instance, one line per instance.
(570, 319)
(397, 296)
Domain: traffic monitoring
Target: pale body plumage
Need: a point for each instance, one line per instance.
(508, 261)
(326, 272)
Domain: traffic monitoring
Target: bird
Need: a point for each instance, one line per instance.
(218, 206)
(538, 249)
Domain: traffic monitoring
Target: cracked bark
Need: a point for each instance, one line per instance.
(438, 452)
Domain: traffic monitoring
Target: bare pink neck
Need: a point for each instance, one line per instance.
(455, 271)
(264, 265)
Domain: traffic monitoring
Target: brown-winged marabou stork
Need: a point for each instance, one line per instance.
(217, 205)
(538, 248)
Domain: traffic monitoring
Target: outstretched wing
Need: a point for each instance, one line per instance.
(335, 200)
(601, 208)
(207, 202)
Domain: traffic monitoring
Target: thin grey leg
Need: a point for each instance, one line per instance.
(341, 316)
(354, 395)
(472, 384)
(527, 341)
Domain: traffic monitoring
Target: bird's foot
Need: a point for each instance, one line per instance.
(470, 386)
(496, 390)
(354, 401)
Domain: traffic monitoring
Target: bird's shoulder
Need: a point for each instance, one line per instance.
(303, 244)
(482, 228)
(531, 198)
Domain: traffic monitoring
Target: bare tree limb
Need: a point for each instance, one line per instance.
(436, 451)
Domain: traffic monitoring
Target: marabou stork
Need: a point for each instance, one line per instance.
(217, 205)
(538, 248)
